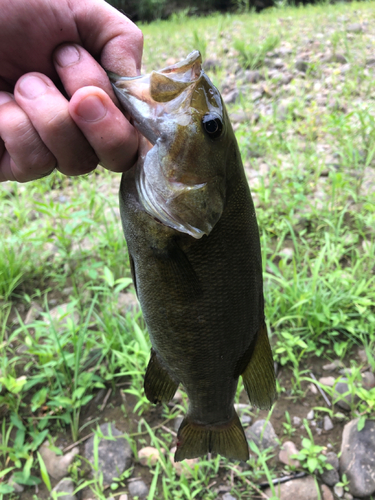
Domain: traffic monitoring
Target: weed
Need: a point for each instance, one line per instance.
(253, 55)
(310, 456)
(289, 430)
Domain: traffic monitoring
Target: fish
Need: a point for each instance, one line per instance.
(195, 257)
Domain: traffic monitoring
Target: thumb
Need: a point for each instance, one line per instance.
(109, 36)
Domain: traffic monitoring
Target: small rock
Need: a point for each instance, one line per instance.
(115, 456)
(239, 72)
(330, 367)
(240, 117)
(329, 381)
(68, 291)
(123, 497)
(138, 488)
(326, 492)
(287, 253)
(338, 491)
(362, 356)
(345, 371)
(211, 65)
(57, 465)
(302, 65)
(327, 423)
(185, 467)
(304, 488)
(357, 458)
(18, 488)
(313, 389)
(354, 28)
(255, 96)
(336, 105)
(285, 79)
(178, 397)
(33, 313)
(67, 487)
(231, 97)
(297, 421)
(331, 477)
(228, 496)
(222, 488)
(269, 439)
(245, 419)
(148, 456)
(336, 58)
(370, 62)
(348, 496)
(341, 395)
(284, 51)
(368, 380)
(278, 63)
(241, 407)
(285, 456)
(253, 76)
(310, 415)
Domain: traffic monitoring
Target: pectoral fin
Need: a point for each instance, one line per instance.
(174, 264)
(159, 385)
(259, 374)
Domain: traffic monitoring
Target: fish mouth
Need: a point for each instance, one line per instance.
(152, 99)
(165, 108)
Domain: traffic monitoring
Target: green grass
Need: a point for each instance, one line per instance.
(312, 175)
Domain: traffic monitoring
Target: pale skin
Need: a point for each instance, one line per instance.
(42, 42)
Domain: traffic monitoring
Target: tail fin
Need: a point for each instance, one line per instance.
(196, 440)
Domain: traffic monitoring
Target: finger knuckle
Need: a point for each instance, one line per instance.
(57, 122)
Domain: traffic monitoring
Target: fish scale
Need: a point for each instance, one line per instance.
(195, 256)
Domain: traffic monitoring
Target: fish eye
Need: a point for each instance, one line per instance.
(212, 125)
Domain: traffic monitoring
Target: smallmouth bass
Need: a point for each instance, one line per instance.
(194, 248)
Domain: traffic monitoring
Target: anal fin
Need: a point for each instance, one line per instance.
(259, 375)
(159, 385)
(196, 440)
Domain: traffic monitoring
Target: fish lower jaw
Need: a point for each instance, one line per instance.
(157, 207)
(168, 220)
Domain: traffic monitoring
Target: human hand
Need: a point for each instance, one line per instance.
(42, 41)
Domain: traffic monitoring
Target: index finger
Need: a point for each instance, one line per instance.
(77, 68)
